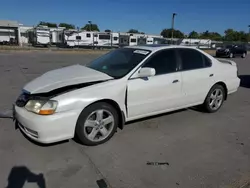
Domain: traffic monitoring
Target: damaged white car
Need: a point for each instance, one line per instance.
(91, 101)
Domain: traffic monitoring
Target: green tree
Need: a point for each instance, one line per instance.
(231, 35)
(90, 27)
(167, 33)
(49, 24)
(211, 35)
(193, 35)
(67, 26)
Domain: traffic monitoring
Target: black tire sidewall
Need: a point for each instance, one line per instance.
(206, 103)
(83, 116)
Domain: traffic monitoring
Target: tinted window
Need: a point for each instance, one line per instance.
(106, 37)
(191, 59)
(88, 35)
(78, 37)
(207, 61)
(163, 62)
(115, 38)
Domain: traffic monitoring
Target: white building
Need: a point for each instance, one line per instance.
(9, 32)
(24, 34)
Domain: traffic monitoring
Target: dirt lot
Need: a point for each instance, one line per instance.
(198, 149)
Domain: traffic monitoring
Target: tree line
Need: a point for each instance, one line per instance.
(229, 34)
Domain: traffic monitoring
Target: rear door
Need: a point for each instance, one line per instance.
(197, 75)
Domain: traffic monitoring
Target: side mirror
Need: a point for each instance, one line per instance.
(146, 72)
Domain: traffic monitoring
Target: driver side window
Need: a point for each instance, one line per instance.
(163, 62)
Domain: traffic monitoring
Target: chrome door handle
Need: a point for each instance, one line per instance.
(175, 81)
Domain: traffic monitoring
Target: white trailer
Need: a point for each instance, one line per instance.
(201, 43)
(40, 36)
(56, 35)
(137, 40)
(155, 40)
(92, 39)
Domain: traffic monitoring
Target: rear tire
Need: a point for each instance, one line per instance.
(97, 124)
(214, 99)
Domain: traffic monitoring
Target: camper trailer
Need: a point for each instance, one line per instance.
(92, 39)
(56, 35)
(40, 36)
(201, 43)
(137, 40)
(123, 40)
(155, 40)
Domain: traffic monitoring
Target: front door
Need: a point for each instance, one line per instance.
(162, 92)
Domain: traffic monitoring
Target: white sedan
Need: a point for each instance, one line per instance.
(91, 101)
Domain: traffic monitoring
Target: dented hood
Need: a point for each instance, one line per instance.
(71, 75)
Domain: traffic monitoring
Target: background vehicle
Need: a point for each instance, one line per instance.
(232, 51)
(126, 84)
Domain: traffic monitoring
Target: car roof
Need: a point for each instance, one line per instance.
(156, 47)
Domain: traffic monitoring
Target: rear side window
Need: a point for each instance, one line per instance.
(207, 61)
(191, 59)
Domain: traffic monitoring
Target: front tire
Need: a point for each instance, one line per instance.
(231, 55)
(214, 99)
(97, 124)
(243, 55)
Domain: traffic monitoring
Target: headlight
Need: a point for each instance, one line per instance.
(227, 50)
(42, 107)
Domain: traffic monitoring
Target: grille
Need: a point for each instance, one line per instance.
(22, 100)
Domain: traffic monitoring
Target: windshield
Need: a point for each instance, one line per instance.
(119, 62)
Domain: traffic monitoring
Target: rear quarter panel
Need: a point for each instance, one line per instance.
(227, 73)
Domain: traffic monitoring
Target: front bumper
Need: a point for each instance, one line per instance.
(222, 53)
(46, 128)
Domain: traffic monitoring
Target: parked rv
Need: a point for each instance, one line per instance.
(156, 40)
(40, 36)
(92, 39)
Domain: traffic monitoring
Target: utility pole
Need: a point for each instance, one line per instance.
(90, 25)
(90, 29)
(172, 37)
(78, 30)
(9, 32)
(248, 33)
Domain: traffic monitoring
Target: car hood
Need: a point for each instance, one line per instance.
(71, 75)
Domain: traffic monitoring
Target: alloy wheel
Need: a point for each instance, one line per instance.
(99, 125)
(216, 99)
